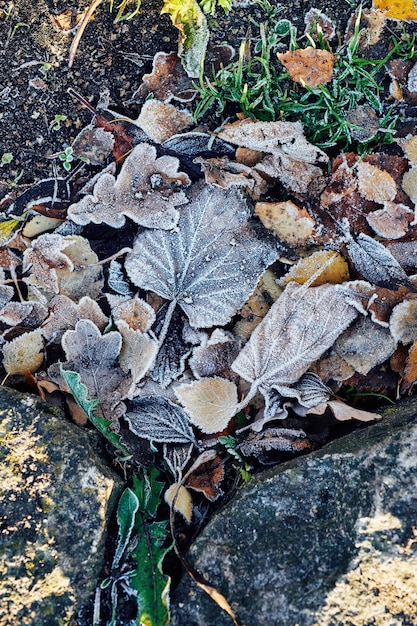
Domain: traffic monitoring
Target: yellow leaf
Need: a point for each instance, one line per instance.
(24, 353)
(328, 270)
(183, 503)
(405, 10)
(291, 223)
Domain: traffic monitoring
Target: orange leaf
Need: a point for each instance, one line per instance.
(207, 479)
(410, 377)
(405, 10)
(309, 67)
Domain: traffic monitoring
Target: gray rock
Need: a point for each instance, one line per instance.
(329, 539)
(56, 496)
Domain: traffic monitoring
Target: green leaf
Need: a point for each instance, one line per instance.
(187, 16)
(151, 584)
(80, 393)
(148, 491)
(126, 512)
(209, 6)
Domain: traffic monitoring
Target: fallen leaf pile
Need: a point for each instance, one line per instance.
(216, 286)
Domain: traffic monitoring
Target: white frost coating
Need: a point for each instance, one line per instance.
(174, 264)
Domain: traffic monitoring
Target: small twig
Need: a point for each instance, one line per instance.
(93, 6)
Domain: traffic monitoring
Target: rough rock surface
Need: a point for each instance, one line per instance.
(56, 496)
(324, 540)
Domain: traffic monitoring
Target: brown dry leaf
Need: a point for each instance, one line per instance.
(311, 66)
(42, 260)
(290, 223)
(86, 277)
(254, 310)
(24, 353)
(316, 20)
(278, 138)
(138, 351)
(222, 172)
(365, 345)
(148, 190)
(207, 479)
(167, 81)
(183, 500)
(93, 144)
(410, 374)
(332, 367)
(375, 20)
(375, 184)
(138, 314)
(391, 222)
(64, 314)
(67, 20)
(409, 145)
(29, 313)
(329, 266)
(215, 356)
(409, 185)
(209, 402)
(265, 445)
(343, 412)
(403, 321)
(161, 121)
(365, 121)
(377, 301)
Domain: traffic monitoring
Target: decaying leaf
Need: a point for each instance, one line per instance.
(315, 19)
(410, 374)
(377, 301)
(147, 190)
(215, 356)
(93, 144)
(290, 223)
(328, 266)
(160, 121)
(95, 358)
(223, 172)
(137, 313)
(86, 277)
(376, 263)
(209, 402)
(403, 321)
(278, 138)
(183, 500)
(343, 412)
(29, 314)
(391, 222)
(309, 391)
(157, 419)
(24, 353)
(263, 445)
(375, 184)
(309, 66)
(167, 81)
(210, 264)
(138, 351)
(300, 326)
(365, 345)
(64, 313)
(43, 258)
(117, 281)
(207, 479)
(254, 310)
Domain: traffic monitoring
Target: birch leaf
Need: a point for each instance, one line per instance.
(24, 353)
(300, 326)
(138, 351)
(157, 419)
(210, 264)
(210, 402)
(376, 263)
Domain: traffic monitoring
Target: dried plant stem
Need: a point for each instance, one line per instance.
(93, 6)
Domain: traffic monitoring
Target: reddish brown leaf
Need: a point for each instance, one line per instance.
(207, 479)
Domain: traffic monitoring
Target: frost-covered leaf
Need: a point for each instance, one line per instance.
(86, 279)
(403, 321)
(160, 121)
(64, 314)
(300, 326)
(137, 313)
(278, 138)
(224, 173)
(138, 351)
(210, 264)
(391, 222)
(326, 265)
(183, 500)
(215, 356)
(263, 445)
(375, 184)
(309, 391)
(288, 221)
(257, 306)
(117, 281)
(207, 478)
(30, 314)
(309, 66)
(187, 16)
(376, 263)
(167, 81)
(365, 345)
(24, 353)
(43, 259)
(171, 359)
(157, 419)
(177, 457)
(147, 190)
(93, 144)
(95, 358)
(210, 402)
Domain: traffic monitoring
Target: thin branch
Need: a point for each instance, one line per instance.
(74, 46)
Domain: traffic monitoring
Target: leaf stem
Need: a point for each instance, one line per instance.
(167, 321)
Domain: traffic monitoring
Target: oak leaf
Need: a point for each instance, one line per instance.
(210, 264)
(147, 190)
(64, 313)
